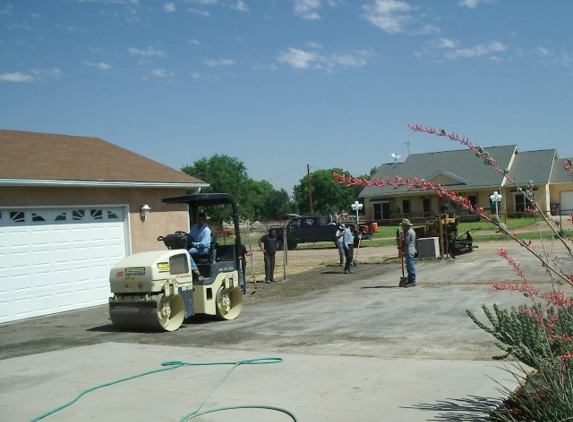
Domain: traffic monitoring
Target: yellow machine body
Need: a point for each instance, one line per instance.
(157, 290)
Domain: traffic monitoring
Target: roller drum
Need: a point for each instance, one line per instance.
(159, 314)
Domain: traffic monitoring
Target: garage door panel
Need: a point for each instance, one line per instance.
(566, 202)
(44, 302)
(18, 260)
(60, 261)
(17, 239)
(40, 236)
(41, 257)
(60, 255)
(5, 307)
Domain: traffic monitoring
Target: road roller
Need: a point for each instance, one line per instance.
(158, 291)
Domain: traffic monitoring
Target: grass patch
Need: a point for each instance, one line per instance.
(386, 235)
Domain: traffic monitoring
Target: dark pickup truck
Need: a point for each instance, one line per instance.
(310, 229)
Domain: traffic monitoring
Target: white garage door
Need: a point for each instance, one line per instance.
(566, 202)
(58, 259)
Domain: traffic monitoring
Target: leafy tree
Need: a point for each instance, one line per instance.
(255, 199)
(277, 203)
(259, 192)
(327, 197)
(224, 174)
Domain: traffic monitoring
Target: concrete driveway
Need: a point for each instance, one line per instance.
(360, 349)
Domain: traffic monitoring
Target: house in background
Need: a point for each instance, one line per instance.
(467, 175)
(70, 209)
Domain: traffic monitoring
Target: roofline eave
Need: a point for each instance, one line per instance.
(100, 184)
(417, 191)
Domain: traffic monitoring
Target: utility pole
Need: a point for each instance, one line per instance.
(309, 190)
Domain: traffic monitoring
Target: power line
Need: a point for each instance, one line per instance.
(284, 174)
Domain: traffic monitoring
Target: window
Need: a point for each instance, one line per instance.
(377, 208)
(426, 207)
(78, 215)
(521, 203)
(37, 217)
(111, 215)
(96, 214)
(406, 206)
(18, 216)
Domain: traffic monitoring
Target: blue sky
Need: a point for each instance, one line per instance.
(285, 84)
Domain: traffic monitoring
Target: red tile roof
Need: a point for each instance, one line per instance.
(42, 156)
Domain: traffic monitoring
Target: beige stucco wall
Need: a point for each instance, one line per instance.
(545, 195)
(163, 219)
(436, 203)
(556, 190)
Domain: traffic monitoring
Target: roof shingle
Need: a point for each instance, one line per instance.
(41, 156)
(460, 165)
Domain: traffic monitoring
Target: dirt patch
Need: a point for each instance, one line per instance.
(311, 270)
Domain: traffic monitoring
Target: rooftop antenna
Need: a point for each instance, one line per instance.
(395, 156)
(408, 143)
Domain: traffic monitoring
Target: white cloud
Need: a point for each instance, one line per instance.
(150, 51)
(32, 76)
(388, 15)
(99, 65)
(478, 50)
(201, 5)
(240, 6)
(54, 73)
(566, 59)
(7, 10)
(204, 13)
(446, 43)
(472, 4)
(549, 57)
(297, 58)
(161, 73)
(169, 7)
(349, 60)
(16, 77)
(428, 29)
(221, 62)
(311, 59)
(307, 9)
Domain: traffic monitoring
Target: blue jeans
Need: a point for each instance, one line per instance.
(411, 268)
(193, 265)
(349, 255)
(340, 247)
(269, 267)
(194, 251)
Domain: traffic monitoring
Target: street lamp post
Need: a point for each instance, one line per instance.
(495, 198)
(357, 206)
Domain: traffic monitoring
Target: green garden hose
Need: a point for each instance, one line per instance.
(178, 364)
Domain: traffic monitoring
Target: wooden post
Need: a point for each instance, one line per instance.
(309, 190)
(441, 230)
